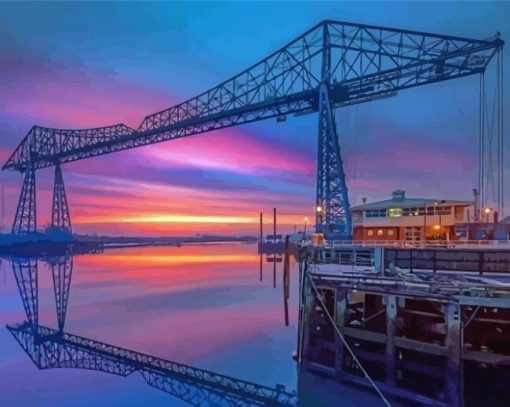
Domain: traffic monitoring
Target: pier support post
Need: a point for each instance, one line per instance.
(453, 345)
(61, 284)
(391, 319)
(25, 271)
(341, 302)
(25, 221)
(60, 217)
(306, 306)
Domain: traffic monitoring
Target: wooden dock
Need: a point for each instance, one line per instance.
(428, 337)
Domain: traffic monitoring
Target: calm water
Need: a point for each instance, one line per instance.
(200, 305)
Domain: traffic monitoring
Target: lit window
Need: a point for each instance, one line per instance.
(370, 232)
(390, 232)
(395, 212)
(380, 232)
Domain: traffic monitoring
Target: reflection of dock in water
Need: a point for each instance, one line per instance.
(54, 348)
(427, 337)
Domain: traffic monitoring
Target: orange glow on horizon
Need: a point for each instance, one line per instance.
(186, 219)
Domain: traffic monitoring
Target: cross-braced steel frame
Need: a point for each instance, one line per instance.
(60, 217)
(25, 220)
(332, 65)
(25, 271)
(49, 348)
(62, 272)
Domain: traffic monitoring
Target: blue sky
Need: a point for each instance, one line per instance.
(94, 64)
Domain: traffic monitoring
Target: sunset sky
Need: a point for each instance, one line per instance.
(85, 65)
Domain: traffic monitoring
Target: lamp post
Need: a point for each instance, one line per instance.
(487, 212)
(437, 227)
(425, 221)
(304, 230)
(319, 213)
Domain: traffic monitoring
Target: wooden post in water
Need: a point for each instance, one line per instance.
(260, 243)
(274, 222)
(274, 271)
(274, 239)
(286, 288)
(261, 230)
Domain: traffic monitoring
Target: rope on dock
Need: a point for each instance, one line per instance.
(471, 317)
(317, 295)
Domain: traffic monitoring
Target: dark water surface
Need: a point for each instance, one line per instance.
(200, 305)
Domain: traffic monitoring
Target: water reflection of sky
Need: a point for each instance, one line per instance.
(200, 305)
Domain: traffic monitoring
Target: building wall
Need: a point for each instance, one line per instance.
(402, 221)
(369, 233)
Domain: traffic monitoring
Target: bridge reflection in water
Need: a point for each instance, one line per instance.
(54, 348)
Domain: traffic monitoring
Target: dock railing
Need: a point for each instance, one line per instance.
(449, 244)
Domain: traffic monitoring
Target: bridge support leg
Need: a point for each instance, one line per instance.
(25, 271)
(332, 212)
(61, 283)
(26, 217)
(60, 217)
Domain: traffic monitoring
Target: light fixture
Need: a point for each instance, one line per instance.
(437, 227)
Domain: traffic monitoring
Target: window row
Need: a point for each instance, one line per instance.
(380, 232)
(397, 212)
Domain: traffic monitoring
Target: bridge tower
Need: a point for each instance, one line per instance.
(60, 217)
(25, 271)
(332, 213)
(25, 220)
(62, 271)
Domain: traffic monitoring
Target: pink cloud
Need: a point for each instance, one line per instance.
(231, 150)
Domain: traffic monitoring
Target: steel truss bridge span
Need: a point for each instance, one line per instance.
(49, 349)
(334, 64)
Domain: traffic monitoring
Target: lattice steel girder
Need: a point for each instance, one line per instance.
(60, 217)
(194, 394)
(365, 62)
(25, 220)
(332, 211)
(62, 272)
(49, 348)
(25, 272)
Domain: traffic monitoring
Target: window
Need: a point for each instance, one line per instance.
(375, 213)
(370, 232)
(395, 212)
(380, 232)
(390, 232)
